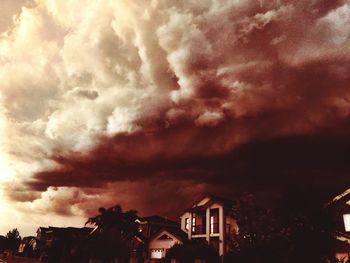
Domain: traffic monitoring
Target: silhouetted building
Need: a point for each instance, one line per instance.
(159, 235)
(163, 240)
(56, 244)
(209, 219)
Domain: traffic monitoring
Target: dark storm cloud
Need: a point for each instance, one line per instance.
(226, 97)
(269, 165)
(270, 143)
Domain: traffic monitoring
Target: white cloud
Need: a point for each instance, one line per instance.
(71, 71)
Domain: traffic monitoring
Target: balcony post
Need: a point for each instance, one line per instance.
(222, 224)
(190, 227)
(207, 225)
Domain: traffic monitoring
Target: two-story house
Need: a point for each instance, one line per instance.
(210, 219)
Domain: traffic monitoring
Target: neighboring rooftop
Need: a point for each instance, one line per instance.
(52, 229)
(155, 219)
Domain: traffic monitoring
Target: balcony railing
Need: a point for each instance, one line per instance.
(214, 228)
(201, 229)
(198, 229)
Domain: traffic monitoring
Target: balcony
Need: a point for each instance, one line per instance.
(214, 228)
(198, 230)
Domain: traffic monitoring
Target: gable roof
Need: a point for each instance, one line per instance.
(172, 231)
(227, 203)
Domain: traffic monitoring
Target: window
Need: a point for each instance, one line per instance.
(157, 253)
(214, 221)
(193, 223)
(346, 219)
(187, 223)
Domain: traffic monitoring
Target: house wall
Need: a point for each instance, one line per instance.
(222, 226)
(21, 248)
(163, 244)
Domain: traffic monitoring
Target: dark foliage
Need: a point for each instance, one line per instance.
(13, 239)
(3, 243)
(191, 250)
(114, 233)
(299, 229)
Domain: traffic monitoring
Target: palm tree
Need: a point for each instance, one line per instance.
(111, 240)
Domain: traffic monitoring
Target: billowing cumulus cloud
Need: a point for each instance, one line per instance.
(103, 98)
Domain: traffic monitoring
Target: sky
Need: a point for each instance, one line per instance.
(149, 104)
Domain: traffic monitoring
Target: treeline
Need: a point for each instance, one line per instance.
(10, 242)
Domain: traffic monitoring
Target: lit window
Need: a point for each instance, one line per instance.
(193, 223)
(187, 223)
(346, 219)
(157, 253)
(212, 224)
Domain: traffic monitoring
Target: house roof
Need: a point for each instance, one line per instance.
(212, 199)
(66, 230)
(27, 239)
(174, 231)
(223, 200)
(155, 219)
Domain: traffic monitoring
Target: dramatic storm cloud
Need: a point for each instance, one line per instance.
(121, 101)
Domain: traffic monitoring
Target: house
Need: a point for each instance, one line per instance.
(65, 244)
(210, 219)
(162, 241)
(159, 235)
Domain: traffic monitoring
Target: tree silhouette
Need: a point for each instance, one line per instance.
(297, 230)
(13, 239)
(113, 234)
